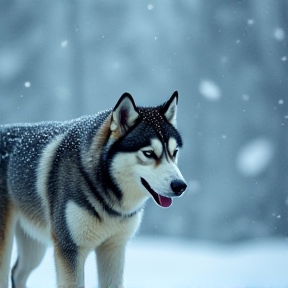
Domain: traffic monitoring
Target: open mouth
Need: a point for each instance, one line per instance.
(159, 199)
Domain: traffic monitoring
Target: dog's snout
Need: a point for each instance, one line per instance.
(178, 187)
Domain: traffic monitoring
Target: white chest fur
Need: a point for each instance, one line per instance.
(88, 231)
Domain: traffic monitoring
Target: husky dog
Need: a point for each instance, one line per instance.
(82, 185)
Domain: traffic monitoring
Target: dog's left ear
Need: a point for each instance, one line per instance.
(124, 115)
(169, 109)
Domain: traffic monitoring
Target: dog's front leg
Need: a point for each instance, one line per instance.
(69, 262)
(110, 263)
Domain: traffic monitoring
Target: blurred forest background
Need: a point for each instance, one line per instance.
(228, 60)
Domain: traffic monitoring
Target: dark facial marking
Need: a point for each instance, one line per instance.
(153, 117)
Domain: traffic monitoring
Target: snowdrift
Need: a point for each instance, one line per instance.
(173, 263)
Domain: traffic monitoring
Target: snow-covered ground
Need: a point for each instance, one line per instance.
(162, 262)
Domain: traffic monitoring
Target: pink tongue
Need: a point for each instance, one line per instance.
(164, 201)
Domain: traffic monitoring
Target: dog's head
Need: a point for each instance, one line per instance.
(143, 151)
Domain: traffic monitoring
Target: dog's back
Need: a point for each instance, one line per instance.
(26, 155)
(21, 149)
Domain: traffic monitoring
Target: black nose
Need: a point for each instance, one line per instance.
(178, 187)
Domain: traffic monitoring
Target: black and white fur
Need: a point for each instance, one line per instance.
(82, 185)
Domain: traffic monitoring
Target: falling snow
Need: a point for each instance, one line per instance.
(64, 43)
(150, 7)
(279, 34)
(245, 97)
(255, 157)
(209, 90)
(27, 84)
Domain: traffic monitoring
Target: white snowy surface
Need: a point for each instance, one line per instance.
(162, 262)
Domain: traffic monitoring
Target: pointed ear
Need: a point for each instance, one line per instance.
(169, 109)
(124, 115)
